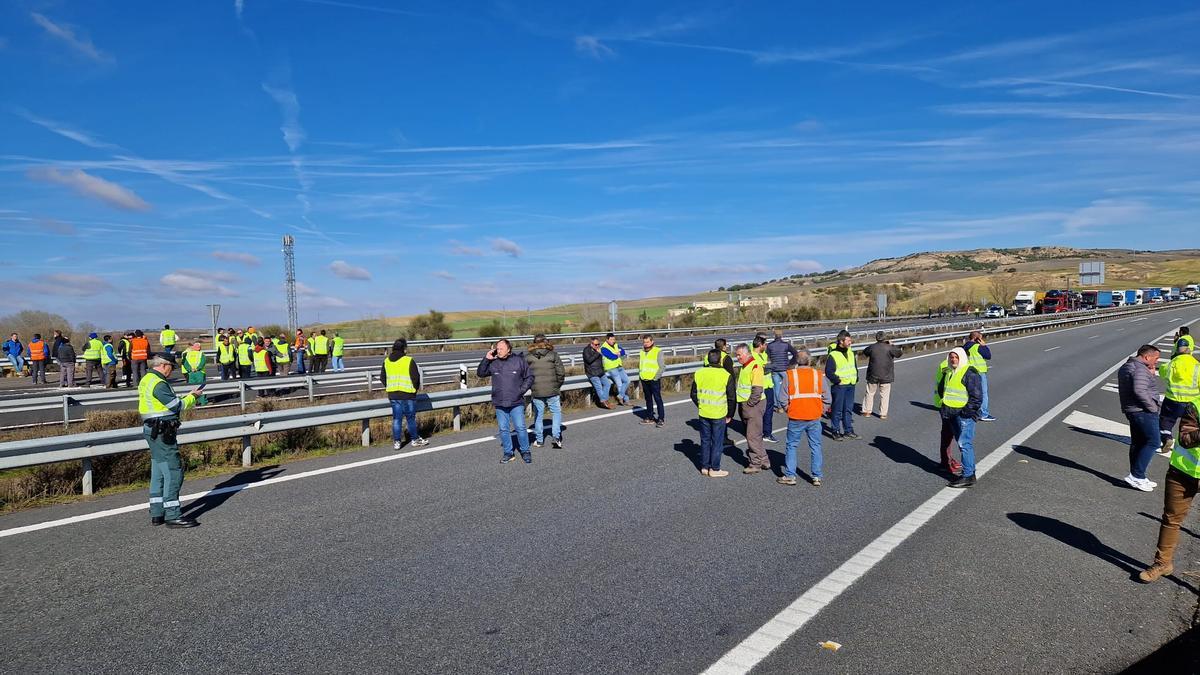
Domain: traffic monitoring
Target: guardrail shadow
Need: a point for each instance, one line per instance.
(221, 492)
(1043, 456)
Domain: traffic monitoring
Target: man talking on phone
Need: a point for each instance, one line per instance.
(160, 409)
(511, 378)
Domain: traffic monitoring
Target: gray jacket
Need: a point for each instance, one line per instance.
(1138, 388)
(510, 379)
(881, 362)
(547, 369)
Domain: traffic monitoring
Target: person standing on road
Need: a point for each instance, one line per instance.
(807, 399)
(402, 380)
(226, 358)
(510, 380)
(1138, 388)
(593, 367)
(1185, 334)
(1183, 478)
(139, 348)
(337, 349)
(319, 348)
(782, 357)
(160, 409)
(124, 350)
(1181, 376)
(91, 360)
(961, 396)
(54, 343)
(195, 364)
(978, 355)
(759, 352)
(245, 352)
(650, 369)
(722, 346)
(842, 371)
(614, 369)
(751, 401)
(15, 351)
(283, 360)
(66, 363)
(108, 363)
(714, 392)
(39, 354)
(548, 376)
(301, 349)
(881, 373)
(167, 338)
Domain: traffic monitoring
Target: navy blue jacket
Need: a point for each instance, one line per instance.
(511, 378)
(984, 350)
(974, 385)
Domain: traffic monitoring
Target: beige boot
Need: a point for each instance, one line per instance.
(1153, 572)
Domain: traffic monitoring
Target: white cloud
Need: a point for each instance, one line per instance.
(458, 248)
(237, 257)
(57, 226)
(593, 47)
(289, 106)
(239, 6)
(805, 266)
(196, 282)
(69, 35)
(481, 289)
(506, 246)
(1105, 213)
(443, 274)
(72, 284)
(345, 270)
(214, 275)
(94, 187)
(313, 299)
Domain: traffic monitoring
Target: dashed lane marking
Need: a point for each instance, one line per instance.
(1053, 348)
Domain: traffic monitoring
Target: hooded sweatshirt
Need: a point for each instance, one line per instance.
(974, 386)
(547, 370)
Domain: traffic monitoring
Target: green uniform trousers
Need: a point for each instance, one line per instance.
(166, 476)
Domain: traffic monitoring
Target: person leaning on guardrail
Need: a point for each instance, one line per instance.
(15, 351)
(402, 379)
(593, 368)
(160, 408)
(510, 380)
(614, 369)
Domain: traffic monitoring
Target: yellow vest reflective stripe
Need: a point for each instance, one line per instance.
(954, 393)
(846, 369)
(92, 352)
(937, 377)
(1185, 460)
(611, 364)
(244, 355)
(763, 360)
(711, 382)
(225, 353)
(282, 346)
(193, 359)
(319, 345)
(104, 359)
(260, 362)
(974, 358)
(648, 363)
(167, 338)
(399, 375)
(1183, 378)
(339, 344)
(745, 384)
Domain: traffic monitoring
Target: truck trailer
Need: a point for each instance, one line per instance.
(1027, 302)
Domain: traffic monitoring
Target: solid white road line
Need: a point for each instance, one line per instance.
(1099, 425)
(1052, 348)
(1093, 337)
(749, 652)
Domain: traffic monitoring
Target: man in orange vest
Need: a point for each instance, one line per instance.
(807, 400)
(139, 351)
(39, 353)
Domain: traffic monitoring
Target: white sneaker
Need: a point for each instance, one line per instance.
(396, 445)
(1149, 482)
(1138, 483)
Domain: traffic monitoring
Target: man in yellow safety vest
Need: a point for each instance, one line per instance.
(714, 392)
(1182, 480)
(841, 370)
(1181, 379)
(959, 394)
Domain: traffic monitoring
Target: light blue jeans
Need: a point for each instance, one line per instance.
(780, 380)
(601, 384)
(619, 378)
(983, 408)
(338, 365)
(539, 407)
(17, 361)
(964, 431)
(512, 420)
(797, 429)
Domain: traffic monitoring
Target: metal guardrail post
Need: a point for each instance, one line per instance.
(366, 432)
(309, 381)
(242, 394)
(87, 475)
(66, 411)
(370, 383)
(247, 459)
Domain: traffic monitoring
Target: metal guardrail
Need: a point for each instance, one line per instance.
(86, 446)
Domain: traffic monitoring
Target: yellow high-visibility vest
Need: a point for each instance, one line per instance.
(648, 363)
(399, 375)
(845, 367)
(711, 383)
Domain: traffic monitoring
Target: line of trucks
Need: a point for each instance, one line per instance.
(1050, 302)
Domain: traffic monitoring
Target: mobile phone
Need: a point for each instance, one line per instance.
(202, 386)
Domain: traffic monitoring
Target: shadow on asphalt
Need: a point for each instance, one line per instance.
(1079, 538)
(903, 454)
(1181, 655)
(1043, 456)
(1124, 440)
(205, 504)
(921, 404)
(1158, 519)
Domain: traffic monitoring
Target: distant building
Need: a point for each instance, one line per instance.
(769, 301)
(711, 305)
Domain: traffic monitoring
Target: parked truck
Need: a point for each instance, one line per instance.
(1118, 298)
(1058, 301)
(1175, 294)
(1152, 296)
(1191, 291)
(1027, 302)
(1096, 299)
(1133, 297)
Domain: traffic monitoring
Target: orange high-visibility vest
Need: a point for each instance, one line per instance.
(37, 350)
(140, 348)
(804, 394)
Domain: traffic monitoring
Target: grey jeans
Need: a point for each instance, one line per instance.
(37, 369)
(67, 375)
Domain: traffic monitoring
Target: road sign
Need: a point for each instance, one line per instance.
(612, 314)
(215, 311)
(881, 303)
(1091, 274)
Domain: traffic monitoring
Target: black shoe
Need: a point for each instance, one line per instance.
(528, 458)
(556, 443)
(182, 524)
(962, 482)
(851, 435)
(505, 459)
(157, 520)
(837, 436)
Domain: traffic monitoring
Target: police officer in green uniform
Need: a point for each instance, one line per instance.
(160, 409)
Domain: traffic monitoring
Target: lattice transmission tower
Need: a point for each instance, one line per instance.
(289, 280)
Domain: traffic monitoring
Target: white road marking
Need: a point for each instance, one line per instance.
(749, 652)
(1137, 320)
(1175, 319)
(1110, 387)
(1052, 348)
(1093, 337)
(1100, 425)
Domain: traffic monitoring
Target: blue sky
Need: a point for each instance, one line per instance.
(480, 155)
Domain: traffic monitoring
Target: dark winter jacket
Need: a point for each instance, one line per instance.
(1189, 427)
(547, 370)
(831, 365)
(782, 356)
(510, 379)
(593, 363)
(414, 373)
(974, 384)
(1138, 387)
(881, 362)
(66, 353)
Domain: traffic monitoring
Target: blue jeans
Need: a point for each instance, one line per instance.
(964, 432)
(797, 429)
(601, 385)
(619, 378)
(841, 414)
(779, 379)
(338, 365)
(983, 408)
(712, 442)
(539, 407)
(406, 407)
(1144, 439)
(769, 413)
(512, 420)
(300, 362)
(652, 389)
(17, 361)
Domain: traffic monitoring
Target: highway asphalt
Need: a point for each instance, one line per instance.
(616, 555)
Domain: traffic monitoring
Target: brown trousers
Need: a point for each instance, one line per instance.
(1178, 493)
(752, 415)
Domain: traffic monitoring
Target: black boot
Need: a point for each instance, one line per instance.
(962, 482)
(157, 520)
(181, 524)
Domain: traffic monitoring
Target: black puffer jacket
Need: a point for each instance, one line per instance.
(547, 369)
(593, 363)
